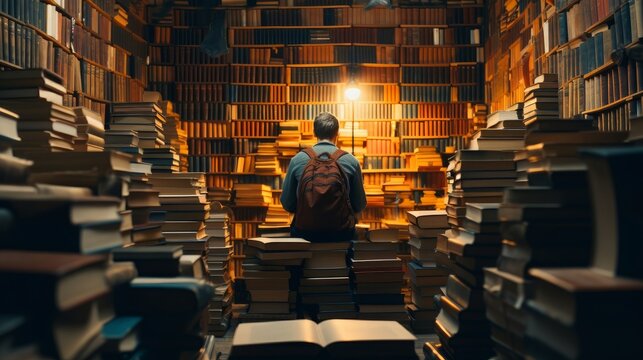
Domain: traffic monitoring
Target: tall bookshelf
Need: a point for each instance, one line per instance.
(419, 67)
(574, 39)
(100, 59)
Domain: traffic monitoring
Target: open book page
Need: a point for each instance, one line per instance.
(341, 330)
(275, 332)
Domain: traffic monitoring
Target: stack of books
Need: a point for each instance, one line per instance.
(505, 131)
(477, 181)
(252, 194)
(378, 277)
(217, 227)
(13, 170)
(276, 217)
(541, 99)
(222, 195)
(37, 96)
(461, 324)
(374, 194)
(545, 224)
(477, 176)
(146, 118)
(289, 138)
(183, 199)
(398, 192)
(52, 314)
(324, 290)
(427, 271)
(174, 327)
(175, 135)
(266, 162)
(267, 274)
(91, 130)
(143, 202)
(164, 159)
(356, 145)
(567, 307)
(124, 141)
(425, 158)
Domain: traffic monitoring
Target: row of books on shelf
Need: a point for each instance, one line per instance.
(614, 84)
(358, 35)
(326, 54)
(181, 55)
(333, 16)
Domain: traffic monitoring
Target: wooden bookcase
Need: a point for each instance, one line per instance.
(574, 39)
(100, 60)
(419, 68)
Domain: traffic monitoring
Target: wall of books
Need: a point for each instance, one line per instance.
(419, 66)
(593, 46)
(97, 46)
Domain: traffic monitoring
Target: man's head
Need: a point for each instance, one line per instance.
(326, 127)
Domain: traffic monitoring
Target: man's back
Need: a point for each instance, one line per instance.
(353, 173)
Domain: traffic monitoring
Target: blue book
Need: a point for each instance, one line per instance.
(121, 334)
(562, 24)
(626, 25)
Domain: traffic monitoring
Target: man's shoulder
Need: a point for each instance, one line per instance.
(349, 158)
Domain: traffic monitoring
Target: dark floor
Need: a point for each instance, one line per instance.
(223, 344)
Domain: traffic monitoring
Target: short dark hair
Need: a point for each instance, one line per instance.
(326, 126)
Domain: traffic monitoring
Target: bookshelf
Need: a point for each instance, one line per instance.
(419, 68)
(100, 60)
(583, 42)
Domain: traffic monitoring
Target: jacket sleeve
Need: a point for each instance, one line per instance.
(289, 188)
(357, 193)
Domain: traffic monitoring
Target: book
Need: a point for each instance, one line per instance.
(51, 279)
(332, 338)
(428, 219)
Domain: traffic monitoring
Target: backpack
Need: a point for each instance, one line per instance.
(323, 203)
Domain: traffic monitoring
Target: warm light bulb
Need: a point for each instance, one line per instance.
(352, 93)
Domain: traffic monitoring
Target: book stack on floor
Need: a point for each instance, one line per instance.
(147, 119)
(541, 99)
(505, 131)
(426, 271)
(174, 327)
(217, 227)
(37, 96)
(545, 224)
(378, 277)
(266, 162)
(289, 138)
(59, 267)
(478, 179)
(461, 324)
(268, 277)
(174, 135)
(570, 308)
(276, 218)
(13, 170)
(91, 130)
(324, 289)
(62, 317)
(252, 194)
(183, 200)
(331, 339)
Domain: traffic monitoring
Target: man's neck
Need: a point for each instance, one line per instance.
(325, 141)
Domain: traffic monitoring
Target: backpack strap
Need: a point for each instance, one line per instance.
(337, 154)
(310, 152)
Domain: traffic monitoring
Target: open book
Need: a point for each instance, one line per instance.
(335, 339)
